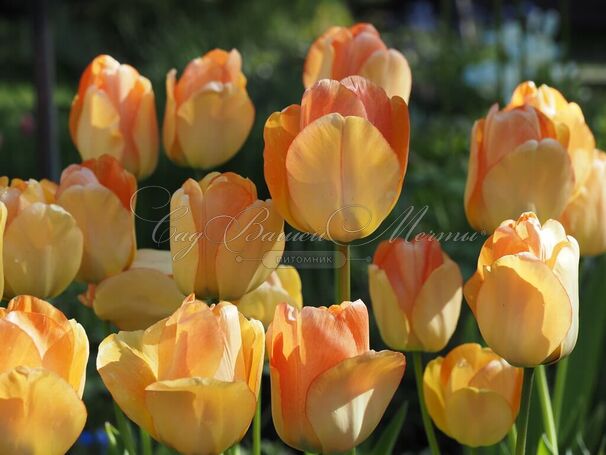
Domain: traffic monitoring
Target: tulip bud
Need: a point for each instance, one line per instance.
(335, 165)
(191, 380)
(99, 194)
(472, 394)
(283, 285)
(114, 113)
(524, 293)
(208, 112)
(518, 162)
(416, 292)
(328, 390)
(42, 378)
(224, 241)
(358, 50)
(42, 242)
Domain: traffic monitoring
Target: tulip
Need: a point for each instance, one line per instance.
(335, 165)
(524, 293)
(283, 285)
(416, 293)
(472, 394)
(3, 215)
(42, 378)
(42, 242)
(224, 241)
(357, 50)
(518, 162)
(191, 380)
(585, 214)
(328, 390)
(208, 112)
(99, 194)
(114, 112)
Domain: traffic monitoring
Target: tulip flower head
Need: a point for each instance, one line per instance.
(328, 390)
(42, 241)
(472, 394)
(357, 50)
(99, 194)
(335, 164)
(114, 113)
(42, 376)
(524, 294)
(191, 380)
(416, 293)
(208, 112)
(224, 241)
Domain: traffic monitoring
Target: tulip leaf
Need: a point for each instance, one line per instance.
(389, 436)
(544, 446)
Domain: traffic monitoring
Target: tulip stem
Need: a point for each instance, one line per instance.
(256, 448)
(524, 411)
(429, 431)
(126, 432)
(559, 389)
(146, 443)
(546, 410)
(342, 274)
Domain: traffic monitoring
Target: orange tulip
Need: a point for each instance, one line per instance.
(208, 112)
(42, 378)
(527, 283)
(328, 390)
(518, 162)
(99, 194)
(472, 394)
(335, 165)
(191, 380)
(416, 292)
(224, 241)
(343, 51)
(114, 112)
(42, 242)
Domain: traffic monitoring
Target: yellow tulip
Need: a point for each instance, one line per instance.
(283, 285)
(114, 113)
(416, 293)
(140, 296)
(208, 112)
(359, 49)
(191, 380)
(335, 165)
(328, 390)
(224, 241)
(585, 215)
(472, 394)
(99, 194)
(524, 293)
(42, 378)
(3, 215)
(42, 242)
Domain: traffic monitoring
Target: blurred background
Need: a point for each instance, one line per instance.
(465, 55)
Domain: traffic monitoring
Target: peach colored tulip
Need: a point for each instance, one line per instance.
(518, 162)
(585, 215)
(191, 380)
(283, 285)
(3, 215)
(208, 112)
(42, 378)
(224, 241)
(42, 242)
(328, 390)
(114, 112)
(347, 51)
(472, 394)
(335, 165)
(524, 293)
(99, 194)
(416, 292)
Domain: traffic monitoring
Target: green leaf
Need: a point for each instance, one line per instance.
(389, 436)
(544, 446)
(111, 433)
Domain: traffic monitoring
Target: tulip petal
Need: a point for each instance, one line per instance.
(498, 376)
(169, 129)
(432, 391)
(30, 304)
(253, 352)
(23, 350)
(291, 282)
(389, 69)
(3, 217)
(346, 403)
(329, 96)
(145, 132)
(207, 423)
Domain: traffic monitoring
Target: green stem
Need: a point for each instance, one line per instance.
(512, 437)
(342, 275)
(429, 431)
(559, 389)
(545, 401)
(524, 411)
(256, 448)
(146, 443)
(126, 432)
